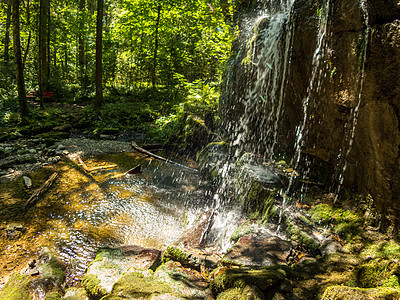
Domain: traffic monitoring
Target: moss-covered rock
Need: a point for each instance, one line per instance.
(349, 293)
(75, 294)
(267, 278)
(246, 293)
(93, 286)
(212, 157)
(16, 288)
(344, 222)
(53, 296)
(51, 274)
(110, 264)
(135, 285)
(301, 236)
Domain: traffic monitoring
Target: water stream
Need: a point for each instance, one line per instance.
(108, 209)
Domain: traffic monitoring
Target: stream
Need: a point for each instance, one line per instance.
(107, 208)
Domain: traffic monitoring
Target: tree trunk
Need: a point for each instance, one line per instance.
(19, 68)
(43, 28)
(48, 41)
(154, 71)
(7, 36)
(81, 45)
(99, 101)
(28, 22)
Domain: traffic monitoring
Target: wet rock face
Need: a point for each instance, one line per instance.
(352, 122)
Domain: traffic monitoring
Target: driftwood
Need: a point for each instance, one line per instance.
(141, 150)
(40, 191)
(135, 170)
(86, 168)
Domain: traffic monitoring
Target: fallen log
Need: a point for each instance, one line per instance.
(144, 151)
(40, 191)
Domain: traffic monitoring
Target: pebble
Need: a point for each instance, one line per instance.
(27, 181)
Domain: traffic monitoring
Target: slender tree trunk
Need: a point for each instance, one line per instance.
(43, 28)
(99, 101)
(81, 45)
(19, 68)
(48, 41)
(154, 70)
(7, 36)
(28, 21)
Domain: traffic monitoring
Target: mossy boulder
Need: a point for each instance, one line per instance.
(246, 293)
(302, 237)
(135, 285)
(110, 265)
(349, 293)
(74, 293)
(345, 223)
(17, 287)
(267, 278)
(212, 157)
(189, 257)
(258, 250)
(184, 282)
(51, 274)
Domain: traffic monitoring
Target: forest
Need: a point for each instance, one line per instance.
(111, 54)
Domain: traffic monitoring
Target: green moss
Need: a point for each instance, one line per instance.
(92, 285)
(300, 236)
(135, 285)
(232, 294)
(242, 230)
(75, 294)
(346, 223)
(16, 288)
(264, 278)
(375, 274)
(348, 293)
(51, 267)
(176, 254)
(53, 296)
(260, 202)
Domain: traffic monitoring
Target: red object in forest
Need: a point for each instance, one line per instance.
(211, 8)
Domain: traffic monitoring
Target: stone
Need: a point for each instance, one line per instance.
(195, 234)
(17, 287)
(257, 250)
(74, 293)
(27, 181)
(353, 293)
(60, 147)
(184, 281)
(190, 257)
(64, 128)
(110, 264)
(51, 275)
(265, 279)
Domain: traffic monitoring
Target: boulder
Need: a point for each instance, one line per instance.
(257, 250)
(339, 292)
(110, 264)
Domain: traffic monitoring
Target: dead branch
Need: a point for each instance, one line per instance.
(141, 150)
(40, 191)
